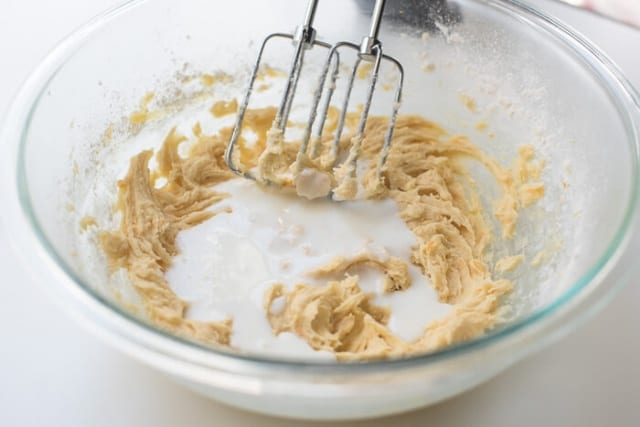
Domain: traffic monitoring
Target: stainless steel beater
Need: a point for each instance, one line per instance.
(369, 50)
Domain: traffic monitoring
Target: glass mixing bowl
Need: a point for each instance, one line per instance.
(532, 81)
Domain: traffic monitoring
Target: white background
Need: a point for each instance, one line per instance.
(54, 373)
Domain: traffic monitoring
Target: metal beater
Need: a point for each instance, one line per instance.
(369, 50)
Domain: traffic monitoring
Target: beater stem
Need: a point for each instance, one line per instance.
(311, 13)
(304, 38)
(376, 18)
(370, 42)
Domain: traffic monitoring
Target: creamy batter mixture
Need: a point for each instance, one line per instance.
(426, 178)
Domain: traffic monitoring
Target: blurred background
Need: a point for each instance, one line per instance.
(626, 11)
(52, 372)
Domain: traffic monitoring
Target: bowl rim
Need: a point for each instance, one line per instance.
(620, 90)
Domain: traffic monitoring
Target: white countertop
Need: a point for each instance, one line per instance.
(54, 373)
